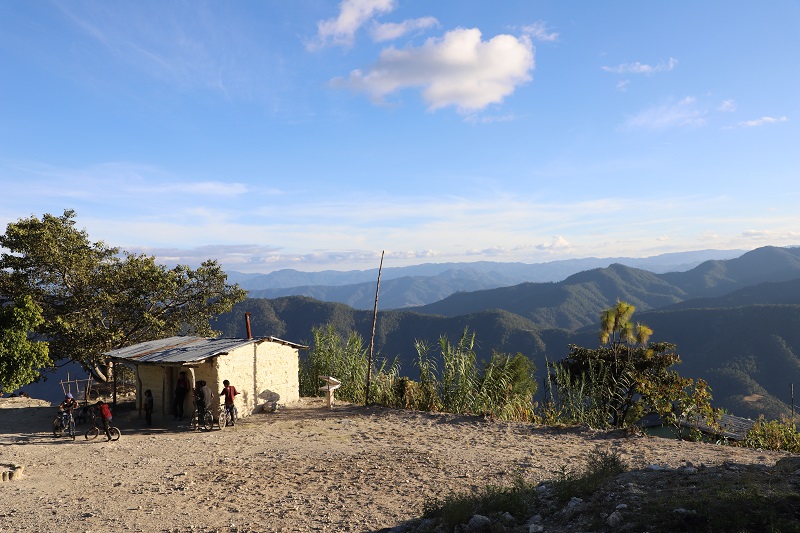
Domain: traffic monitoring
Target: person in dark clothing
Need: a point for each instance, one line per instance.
(181, 390)
(148, 406)
(67, 406)
(200, 401)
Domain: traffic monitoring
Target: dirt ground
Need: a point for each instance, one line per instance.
(303, 468)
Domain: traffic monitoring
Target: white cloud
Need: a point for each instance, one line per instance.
(393, 30)
(353, 14)
(762, 121)
(642, 68)
(680, 114)
(539, 32)
(556, 244)
(622, 85)
(459, 69)
(727, 106)
(769, 235)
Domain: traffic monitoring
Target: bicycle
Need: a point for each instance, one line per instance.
(64, 422)
(95, 430)
(227, 416)
(206, 423)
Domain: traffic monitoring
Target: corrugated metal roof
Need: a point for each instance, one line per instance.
(178, 350)
(732, 427)
(186, 349)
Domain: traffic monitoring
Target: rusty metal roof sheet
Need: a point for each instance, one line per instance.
(184, 349)
(732, 427)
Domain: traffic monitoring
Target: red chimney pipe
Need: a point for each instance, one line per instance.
(247, 325)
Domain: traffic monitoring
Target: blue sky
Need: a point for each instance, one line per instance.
(314, 134)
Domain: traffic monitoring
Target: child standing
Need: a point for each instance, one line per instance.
(229, 392)
(148, 406)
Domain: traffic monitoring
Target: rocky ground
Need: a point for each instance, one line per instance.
(308, 468)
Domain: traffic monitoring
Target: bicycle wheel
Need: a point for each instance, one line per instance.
(115, 433)
(72, 428)
(58, 429)
(92, 433)
(208, 421)
(223, 418)
(193, 422)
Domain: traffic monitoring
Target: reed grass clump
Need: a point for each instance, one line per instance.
(450, 381)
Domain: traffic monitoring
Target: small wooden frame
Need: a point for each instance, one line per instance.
(331, 385)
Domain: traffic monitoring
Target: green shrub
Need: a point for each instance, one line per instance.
(773, 435)
(626, 377)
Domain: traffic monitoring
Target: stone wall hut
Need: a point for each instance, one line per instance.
(263, 370)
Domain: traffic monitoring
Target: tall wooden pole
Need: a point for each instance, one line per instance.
(372, 338)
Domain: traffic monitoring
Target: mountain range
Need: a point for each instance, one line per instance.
(736, 322)
(403, 287)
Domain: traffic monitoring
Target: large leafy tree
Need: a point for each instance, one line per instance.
(21, 357)
(628, 376)
(95, 299)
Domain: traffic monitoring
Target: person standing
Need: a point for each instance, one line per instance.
(229, 393)
(148, 406)
(208, 395)
(181, 390)
(202, 399)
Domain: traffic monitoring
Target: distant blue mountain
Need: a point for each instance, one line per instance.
(403, 287)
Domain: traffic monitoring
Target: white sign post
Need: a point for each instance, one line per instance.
(331, 384)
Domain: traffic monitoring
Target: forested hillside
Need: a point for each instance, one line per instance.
(577, 301)
(745, 343)
(571, 304)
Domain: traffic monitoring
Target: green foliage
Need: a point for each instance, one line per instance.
(346, 361)
(459, 379)
(601, 466)
(506, 388)
(330, 356)
(503, 389)
(94, 300)
(427, 398)
(626, 378)
(20, 357)
(576, 398)
(773, 435)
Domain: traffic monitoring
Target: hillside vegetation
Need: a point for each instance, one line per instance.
(736, 323)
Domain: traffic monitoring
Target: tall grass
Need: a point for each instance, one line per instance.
(459, 380)
(348, 362)
(330, 356)
(577, 399)
(450, 381)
